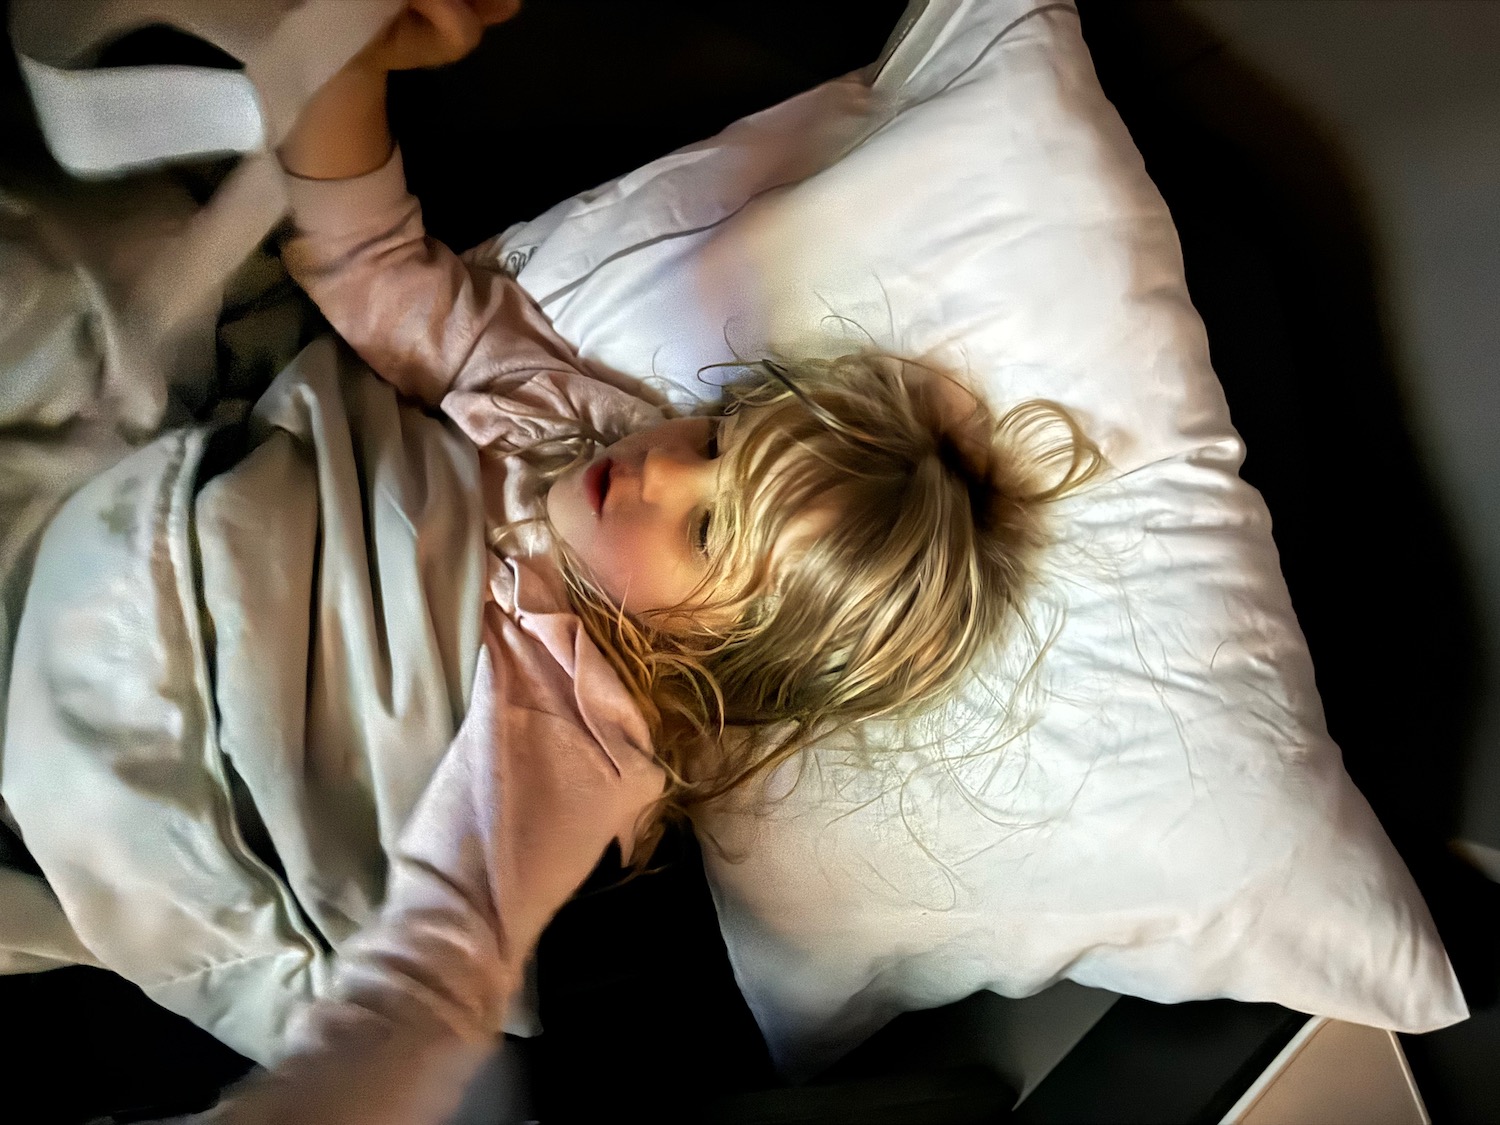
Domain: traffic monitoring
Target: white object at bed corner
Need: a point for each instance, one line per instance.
(1171, 820)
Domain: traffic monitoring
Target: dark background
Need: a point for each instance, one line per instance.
(1282, 264)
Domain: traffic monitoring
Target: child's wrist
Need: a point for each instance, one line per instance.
(342, 131)
(365, 68)
(359, 80)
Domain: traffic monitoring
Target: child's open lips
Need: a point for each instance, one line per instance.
(596, 484)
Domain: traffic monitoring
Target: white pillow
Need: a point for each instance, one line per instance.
(1161, 812)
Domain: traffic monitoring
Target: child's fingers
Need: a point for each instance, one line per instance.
(455, 27)
(491, 12)
(435, 32)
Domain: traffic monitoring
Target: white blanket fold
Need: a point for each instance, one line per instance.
(306, 619)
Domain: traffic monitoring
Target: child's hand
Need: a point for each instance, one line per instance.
(342, 131)
(434, 33)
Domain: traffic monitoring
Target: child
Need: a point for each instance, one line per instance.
(676, 603)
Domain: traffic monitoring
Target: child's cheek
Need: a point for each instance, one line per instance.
(570, 514)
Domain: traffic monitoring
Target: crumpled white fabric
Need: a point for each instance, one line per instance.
(74, 400)
(203, 657)
(110, 291)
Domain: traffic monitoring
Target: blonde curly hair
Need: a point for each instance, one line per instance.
(931, 513)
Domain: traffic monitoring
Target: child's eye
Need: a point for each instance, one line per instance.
(701, 535)
(711, 450)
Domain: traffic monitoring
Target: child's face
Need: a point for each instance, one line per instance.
(637, 515)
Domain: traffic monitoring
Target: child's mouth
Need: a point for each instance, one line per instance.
(596, 484)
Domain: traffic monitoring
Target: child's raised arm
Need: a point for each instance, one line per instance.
(343, 131)
(421, 317)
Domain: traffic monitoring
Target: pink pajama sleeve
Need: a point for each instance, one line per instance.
(518, 813)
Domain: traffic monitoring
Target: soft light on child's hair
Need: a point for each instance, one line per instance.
(930, 513)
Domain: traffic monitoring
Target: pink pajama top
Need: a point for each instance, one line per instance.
(553, 760)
